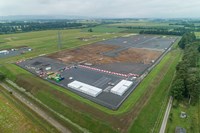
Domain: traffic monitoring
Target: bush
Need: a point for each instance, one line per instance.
(2, 77)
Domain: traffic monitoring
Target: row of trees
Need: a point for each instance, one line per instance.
(187, 38)
(163, 32)
(144, 27)
(186, 84)
(2, 77)
(13, 27)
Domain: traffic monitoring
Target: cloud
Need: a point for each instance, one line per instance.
(102, 8)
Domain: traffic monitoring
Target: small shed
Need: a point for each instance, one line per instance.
(180, 130)
(183, 115)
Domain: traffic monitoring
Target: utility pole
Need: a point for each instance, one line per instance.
(59, 41)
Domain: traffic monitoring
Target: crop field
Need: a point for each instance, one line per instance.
(12, 119)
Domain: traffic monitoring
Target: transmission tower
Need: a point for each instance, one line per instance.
(59, 41)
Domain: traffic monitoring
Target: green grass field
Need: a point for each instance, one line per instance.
(106, 29)
(197, 35)
(114, 28)
(14, 117)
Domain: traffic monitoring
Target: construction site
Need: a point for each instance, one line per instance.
(105, 72)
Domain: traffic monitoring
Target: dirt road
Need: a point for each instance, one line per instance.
(164, 123)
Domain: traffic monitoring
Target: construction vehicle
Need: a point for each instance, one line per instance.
(55, 76)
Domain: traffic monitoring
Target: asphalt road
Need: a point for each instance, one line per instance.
(38, 110)
(164, 123)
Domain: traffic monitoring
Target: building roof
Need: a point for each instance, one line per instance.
(121, 87)
(180, 130)
(85, 88)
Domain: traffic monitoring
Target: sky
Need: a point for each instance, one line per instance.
(104, 8)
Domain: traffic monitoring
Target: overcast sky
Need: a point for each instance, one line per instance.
(103, 8)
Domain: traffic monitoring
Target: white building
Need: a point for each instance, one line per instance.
(85, 88)
(121, 87)
(4, 52)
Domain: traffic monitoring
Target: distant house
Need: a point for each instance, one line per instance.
(180, 130)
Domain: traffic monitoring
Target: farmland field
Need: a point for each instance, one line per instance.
(13, 119)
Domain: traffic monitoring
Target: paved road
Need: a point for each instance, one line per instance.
(164, 123)
(38, 110)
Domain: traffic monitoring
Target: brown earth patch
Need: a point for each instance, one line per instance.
(94, 54)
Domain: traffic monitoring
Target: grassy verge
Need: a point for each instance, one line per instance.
(191, 123)
(16, 117)
(147, 118)
(51, 113)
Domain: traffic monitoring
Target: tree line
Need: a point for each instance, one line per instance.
(163, 32)
(187, 38)
(186, 84)
(13, 27)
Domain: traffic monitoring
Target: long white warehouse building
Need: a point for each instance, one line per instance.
(4, 52)
(85, 88)
(121, 87)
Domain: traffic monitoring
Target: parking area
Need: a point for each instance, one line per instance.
(14, 52)
(142, 41)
